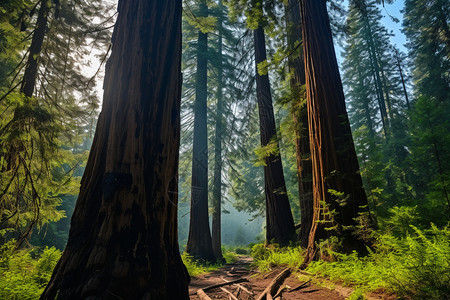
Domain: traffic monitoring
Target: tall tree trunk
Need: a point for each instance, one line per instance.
(399, 66)
(279, 221)
(300, 119)
(31, 68)
(199, 243)
(123, 239)
(217, 188)
(333, 155)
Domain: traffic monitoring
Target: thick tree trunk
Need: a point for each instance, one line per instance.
(300, 119)
(199, 243)
(31, 68)
(123, 238)
(333, 155)
(279, 221)
(217, 188)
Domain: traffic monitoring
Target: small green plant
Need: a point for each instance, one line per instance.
(241, 251)
(196, 268)
(266, 258)
(417, 265)
(24, 273)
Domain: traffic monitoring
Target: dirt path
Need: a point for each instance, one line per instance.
(255, 283)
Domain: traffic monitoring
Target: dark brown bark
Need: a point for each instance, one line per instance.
(31, 68)
(333, 155)
(279, 221)
(217, 187)
(199, 243)
(123, 238)
(300, 119)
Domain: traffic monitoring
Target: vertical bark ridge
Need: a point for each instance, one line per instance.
(334, 162)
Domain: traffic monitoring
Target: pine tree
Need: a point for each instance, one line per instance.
(199, 243)
(43, 121)
(378, 119)
(428, 42)
(427, 30)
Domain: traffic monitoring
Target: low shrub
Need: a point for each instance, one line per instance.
(417, 265)
(25, 273)
(265, 258)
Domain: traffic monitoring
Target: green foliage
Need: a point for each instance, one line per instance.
(35, 168)
(266, 258)
(196, 268)
(204, 24)
(25, 273)
(43, 138)
(416, 265)
(230, 256)
(263, 152)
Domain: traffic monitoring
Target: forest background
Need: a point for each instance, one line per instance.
(397, 93)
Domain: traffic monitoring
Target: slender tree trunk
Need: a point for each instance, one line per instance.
(300, 119)
(217, 188)
(334, 161)
(279, 221)
(399, 65)
(31, 68)
(199, 243)
(123, 239)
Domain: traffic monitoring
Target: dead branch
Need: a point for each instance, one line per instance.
(244, 289)
(229, 293)
(273, 287)
(225, 283)
(301, 286)
(202, 295)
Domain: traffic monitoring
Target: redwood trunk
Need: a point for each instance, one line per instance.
(123, 238)
(300, 119)
(334, 161)
(217, 187)
(199, 243)
(279, 221)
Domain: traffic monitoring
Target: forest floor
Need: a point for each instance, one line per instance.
(297, 286)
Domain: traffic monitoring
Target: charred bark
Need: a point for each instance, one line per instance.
(199, 243)
(279, 221)
(300, 119)
(334, 162)
(123, 237)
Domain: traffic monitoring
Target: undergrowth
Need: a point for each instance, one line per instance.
(413, 264)
(25, 273)
(417, 265)
(196, 268)
(265, 258)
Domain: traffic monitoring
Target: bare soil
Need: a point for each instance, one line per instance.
(256, 283)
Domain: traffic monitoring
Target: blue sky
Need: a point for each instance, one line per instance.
(388, 10)
(395, 11)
